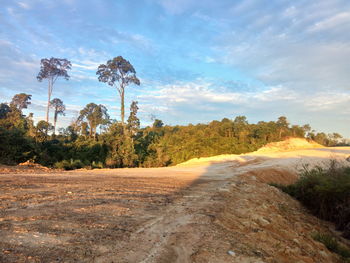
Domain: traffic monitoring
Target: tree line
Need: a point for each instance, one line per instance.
(95, 140)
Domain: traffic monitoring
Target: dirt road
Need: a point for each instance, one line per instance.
(169, 214)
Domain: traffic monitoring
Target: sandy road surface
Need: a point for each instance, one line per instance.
(130, 215)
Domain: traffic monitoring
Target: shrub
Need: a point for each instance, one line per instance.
(97, 165)
(66, 165)
(77, 164)
(326, 192)
(332, 244)
(69, 165)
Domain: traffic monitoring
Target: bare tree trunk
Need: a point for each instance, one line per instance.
(48, 100)
(91, 130)
(54, 123)
(122, 108)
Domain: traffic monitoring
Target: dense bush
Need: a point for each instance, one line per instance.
(69, 165)
(326, 192)
(15, 146)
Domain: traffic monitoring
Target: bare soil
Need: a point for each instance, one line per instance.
(209, 210)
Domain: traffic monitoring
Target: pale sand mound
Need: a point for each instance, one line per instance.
(290, 144)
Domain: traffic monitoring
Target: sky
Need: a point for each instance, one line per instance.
(197, 60)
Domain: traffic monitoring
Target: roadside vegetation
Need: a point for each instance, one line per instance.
(326, 193)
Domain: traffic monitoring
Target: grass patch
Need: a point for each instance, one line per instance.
(333, 245)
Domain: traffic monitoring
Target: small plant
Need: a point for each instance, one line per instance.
(97, 165)
(333, 245)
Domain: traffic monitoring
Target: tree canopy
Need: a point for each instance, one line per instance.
(51, 69)
(118, 72)
(95, 115)
(115, 145)
(21, 101)
(59, 109)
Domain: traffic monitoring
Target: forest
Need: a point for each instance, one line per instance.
(95, 140)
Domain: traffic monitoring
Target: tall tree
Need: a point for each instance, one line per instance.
(51, 69)
(118, 73)
(133, 120)
(282, 124)
(59, 108)
(21, 101)
(30, 124)
(95, 115)
(241, 128)
(158, 123)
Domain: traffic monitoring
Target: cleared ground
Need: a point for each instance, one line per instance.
(175, 214)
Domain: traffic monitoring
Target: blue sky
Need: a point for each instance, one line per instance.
(197, 60)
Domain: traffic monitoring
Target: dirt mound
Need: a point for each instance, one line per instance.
(32, 164)
(265, 225)
(290, 144)
(25, 167)
(272, 175)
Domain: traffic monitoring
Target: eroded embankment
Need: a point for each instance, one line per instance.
(262, 224)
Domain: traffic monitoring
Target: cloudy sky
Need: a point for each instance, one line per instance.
(197, 60)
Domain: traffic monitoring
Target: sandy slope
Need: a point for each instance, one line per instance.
(194, 212)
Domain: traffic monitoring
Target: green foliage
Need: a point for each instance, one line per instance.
(133, 123)
(42, 130)
(120, 73)
(15, 146)
(95, 115)
(87, 150)
(121, 152)
(4, 110)
(333, 245)
(158, 123)
(69, 165)
(97, 165)
(59, 109)
(326, 192)
(100, 142)
(21, 101)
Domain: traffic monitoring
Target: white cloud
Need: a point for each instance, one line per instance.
(290, 12)
(329, 101)
(203, 93)
(23, 5)
(86, 64)
(331, 22)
